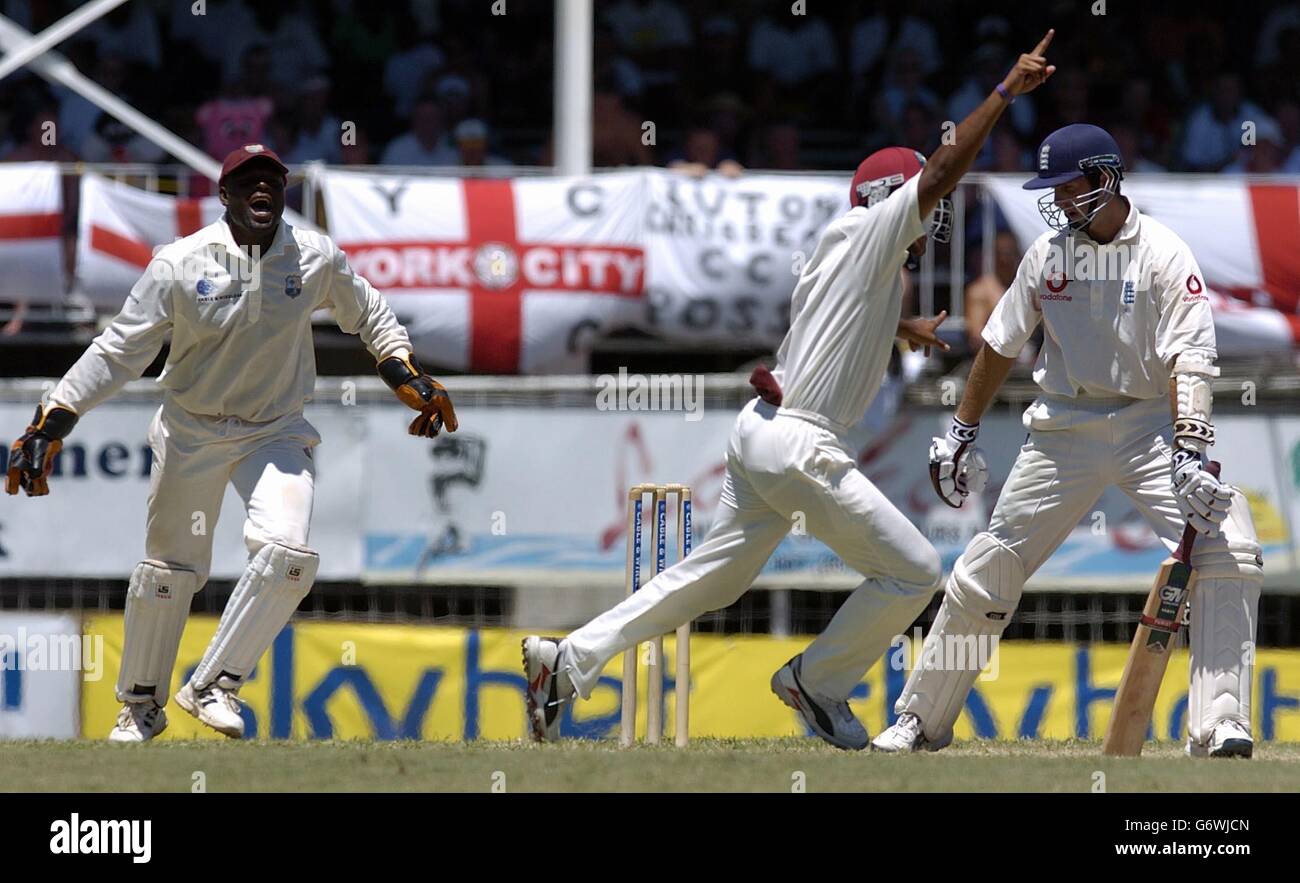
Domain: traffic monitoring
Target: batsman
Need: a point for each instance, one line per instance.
(1125, 369)
(237, 299)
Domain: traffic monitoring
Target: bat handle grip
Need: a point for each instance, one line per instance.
(1184, 551)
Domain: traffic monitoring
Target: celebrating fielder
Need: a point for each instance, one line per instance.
(237, 298)
(789, 452)
(1125, 342)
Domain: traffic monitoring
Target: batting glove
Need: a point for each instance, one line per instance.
(957, 467)
(1202, 498)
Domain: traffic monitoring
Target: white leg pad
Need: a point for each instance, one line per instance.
(157, 605)
(277, 579)
(981, 595)
(1224, 611)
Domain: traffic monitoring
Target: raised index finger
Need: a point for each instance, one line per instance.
(1045, 42)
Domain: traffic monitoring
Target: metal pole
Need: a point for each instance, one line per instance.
(572, 117)
(60, 70)
(55, 34)
(957, 256)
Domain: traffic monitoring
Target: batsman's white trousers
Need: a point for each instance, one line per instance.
(1077, 448)
(269, 464)
(783, 468)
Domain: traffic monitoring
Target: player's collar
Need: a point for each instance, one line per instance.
(225, 238)
(1129, 228)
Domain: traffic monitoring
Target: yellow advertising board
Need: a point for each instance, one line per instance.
(370, 681)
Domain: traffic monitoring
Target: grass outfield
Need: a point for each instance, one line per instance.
(708, 765)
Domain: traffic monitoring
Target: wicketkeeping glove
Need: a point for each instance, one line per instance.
(419, 392)
(1202, 498)
(957, 467)
(31, 458)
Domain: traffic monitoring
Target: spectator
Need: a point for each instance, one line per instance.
(610, 65)
(792, 50)
(1069, 101)
(1214, 129)
(1266, 156)
(888, 29)
(115, 142)
(217, 34)
(726, 114)
(416, 59)
(780, 149)
(656, 33)
(454, 98)
(616, 135)
(129, 32)
(36, 135)
(1288, 120)
(906, 85)
(1267, 48)
(254, 79)
(701, 154)
(1130, 147)
(288, 31)
(239, 116)
(77, 116)
(983, 294)
(471, 139)
(718, 64)
(426, 142)
(1008, 154)
(318, 131)
(917, 127)
(356, 151)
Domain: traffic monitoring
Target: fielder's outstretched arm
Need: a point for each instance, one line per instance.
(952, 160)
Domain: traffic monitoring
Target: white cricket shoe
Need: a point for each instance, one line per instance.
(139, 722)
(906, 734)
(1228, 739)
(216, 706)
(549, 687)
(833, 720)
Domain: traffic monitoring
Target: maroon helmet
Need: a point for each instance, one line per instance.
(884, 172)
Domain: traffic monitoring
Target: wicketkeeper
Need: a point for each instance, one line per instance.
(237, 298)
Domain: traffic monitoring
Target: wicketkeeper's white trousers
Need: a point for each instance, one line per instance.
(195, 457)
(783, 469)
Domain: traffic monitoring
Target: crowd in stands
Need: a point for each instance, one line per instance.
(728, 84)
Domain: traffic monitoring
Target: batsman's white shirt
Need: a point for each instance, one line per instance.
(241, 329)
(796, 464)
(1114, 316)
(845, 309)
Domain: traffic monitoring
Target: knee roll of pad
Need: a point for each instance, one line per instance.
(987, 581)
(157, 606)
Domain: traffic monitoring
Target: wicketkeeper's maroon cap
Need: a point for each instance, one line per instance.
(247, 154)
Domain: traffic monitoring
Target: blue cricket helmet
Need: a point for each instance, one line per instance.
(1069, 153)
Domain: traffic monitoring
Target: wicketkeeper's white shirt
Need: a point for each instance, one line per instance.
(1114, 317)
(845, 309)
(241, 330)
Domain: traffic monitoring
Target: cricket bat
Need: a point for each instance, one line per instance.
(1148, 657)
